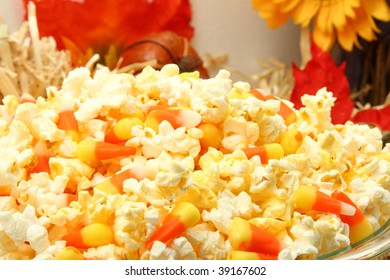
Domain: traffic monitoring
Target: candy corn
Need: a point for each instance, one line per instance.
(245, 236)
(266, 152)
(5, 190)
(69, 253)
(147, 108)
(285, 111)
(93, 235)
(183, 216)
(121, 131)
(243, 255)
(64, 199)
(114, 185)
(359, 226)
(291, 140)
(42, 155)
(89, 150)
(309, 198)
(27, 98)
(67, 121)
(211, 136)
(176, 117)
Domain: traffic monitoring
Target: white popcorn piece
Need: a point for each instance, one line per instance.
(38, 209)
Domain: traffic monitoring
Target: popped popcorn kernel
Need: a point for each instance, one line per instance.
(169, 166)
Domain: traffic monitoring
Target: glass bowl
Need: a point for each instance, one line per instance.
(372, 247)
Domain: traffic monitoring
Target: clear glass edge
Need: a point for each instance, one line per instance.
(371, 247)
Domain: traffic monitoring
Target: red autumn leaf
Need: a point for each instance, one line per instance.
(377, 117)
(91, 24)
(321, 71)
(179, 22)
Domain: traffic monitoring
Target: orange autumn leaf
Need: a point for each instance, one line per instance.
(321, 71)
(88, 26)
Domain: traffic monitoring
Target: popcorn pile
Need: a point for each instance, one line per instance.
(165, 165)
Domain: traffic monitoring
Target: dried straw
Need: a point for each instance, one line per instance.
(29, 64)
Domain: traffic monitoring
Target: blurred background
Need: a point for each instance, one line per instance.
(236, 30)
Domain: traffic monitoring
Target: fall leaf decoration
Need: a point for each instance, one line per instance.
(321, 71)
(373, 116)
(164, 47)
(107, 27)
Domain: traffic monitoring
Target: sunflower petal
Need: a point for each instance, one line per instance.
(266, 8)
(338, 16)
(305, 11)
(278, 20)
(347, 37)
(350, 6)
(287, 5)
(365, 26)
(322, 38)
(378, 9)
(271, 12)
(323, 19)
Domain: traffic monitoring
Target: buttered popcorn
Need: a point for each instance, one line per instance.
(165, 165)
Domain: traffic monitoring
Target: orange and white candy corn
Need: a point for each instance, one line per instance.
(69, 253)
(177, 117)
(244, 255)
(5, 190)
(42, 154)
(67, 121)
(309, 198)
(93, 235)
(64, 199)
(359, 226)
(212, 136)
(265, 152)
(27, 98)
(114, 185)
(147, 108)
(285, 111)
(291, 140)
(244, 236)
(183, 216)
(90, 150)
(121, 131)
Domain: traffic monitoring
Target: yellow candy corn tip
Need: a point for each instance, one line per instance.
(123, 127)
(304, 197)
(74, 135)
(242, 255)
(152, 123)
(86, 150)
(211, 136)
(239, 233)
(189, 214)
(274, 151)
(69, 253)
(107, 187)
(290, 119)
(97, 234)
(291, 140)
(360, 231)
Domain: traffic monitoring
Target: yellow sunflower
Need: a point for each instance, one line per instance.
(343, 20)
